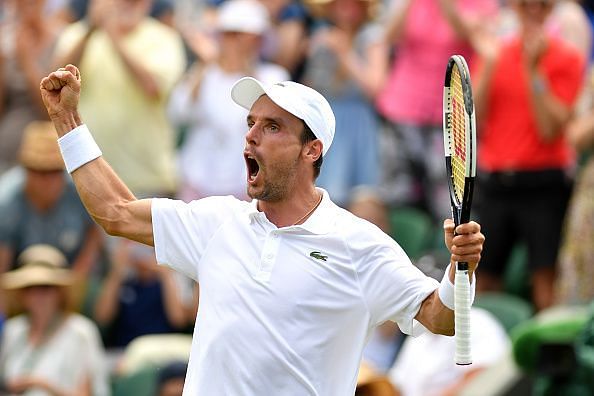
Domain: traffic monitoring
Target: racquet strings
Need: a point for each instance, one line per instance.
(458, 131)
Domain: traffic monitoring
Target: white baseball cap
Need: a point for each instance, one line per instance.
(245, 16)
(300, 100)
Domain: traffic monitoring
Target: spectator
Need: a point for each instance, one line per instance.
(49, 350)
(211, 160)
(45, 208)
(122, 50)
(425, 34)
(526, 88)
(285, 43)
(170, 380)
(346, 63)
(27, 39)
(138, 297)
(437, 374)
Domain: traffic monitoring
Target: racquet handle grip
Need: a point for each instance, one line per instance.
(463, 355)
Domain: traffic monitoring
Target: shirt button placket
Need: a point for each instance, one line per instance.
(268, 257)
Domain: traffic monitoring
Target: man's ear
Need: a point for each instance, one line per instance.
(313, 150)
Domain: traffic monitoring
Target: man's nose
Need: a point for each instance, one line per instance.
(252, 135)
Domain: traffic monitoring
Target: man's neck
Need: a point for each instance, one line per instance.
(293, 211)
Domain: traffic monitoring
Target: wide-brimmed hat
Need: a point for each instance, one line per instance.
(39, 265)
(39, 148)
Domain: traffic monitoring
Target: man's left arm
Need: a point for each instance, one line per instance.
(465, 245)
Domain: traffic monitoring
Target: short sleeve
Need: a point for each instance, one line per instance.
(182, 230)
(392, 286)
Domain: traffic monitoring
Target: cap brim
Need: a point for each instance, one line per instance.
(246, 91)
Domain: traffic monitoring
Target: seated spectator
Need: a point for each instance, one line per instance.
(425, 364)
(170, 380)
(49, 350)
(44, 207)
(139, 297)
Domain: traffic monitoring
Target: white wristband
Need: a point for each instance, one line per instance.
(78, 147)
(446, 289)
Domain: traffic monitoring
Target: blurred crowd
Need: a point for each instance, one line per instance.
(82, 313)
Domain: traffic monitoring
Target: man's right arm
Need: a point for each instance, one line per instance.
(107, 199)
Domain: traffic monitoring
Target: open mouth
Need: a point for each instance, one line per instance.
(252, 167)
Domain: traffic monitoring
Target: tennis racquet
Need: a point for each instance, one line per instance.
(459, 137)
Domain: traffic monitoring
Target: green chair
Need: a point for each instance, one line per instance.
(555, 325)
(516, 279)
(510, 310)
(545, 348)
(141, 382)
(413, 230)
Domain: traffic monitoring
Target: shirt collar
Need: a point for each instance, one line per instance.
(318, 223)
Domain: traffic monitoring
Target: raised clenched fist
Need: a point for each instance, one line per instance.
(60, 92)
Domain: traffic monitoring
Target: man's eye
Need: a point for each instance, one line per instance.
(273, 128)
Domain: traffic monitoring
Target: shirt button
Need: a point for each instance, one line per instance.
(269, 256)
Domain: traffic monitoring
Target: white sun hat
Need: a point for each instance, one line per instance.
(300, 100)
(244, 16)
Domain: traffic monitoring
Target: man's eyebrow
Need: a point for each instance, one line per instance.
(275, 120)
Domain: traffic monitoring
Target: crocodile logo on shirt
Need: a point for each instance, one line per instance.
(318, 256)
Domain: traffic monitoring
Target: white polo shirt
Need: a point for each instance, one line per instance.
(284, 311)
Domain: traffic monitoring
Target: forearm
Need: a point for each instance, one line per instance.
(54, 390)
(76, 53)
(89, 252)
(581, 132)
(368, 73)
(101, 191)
(455, 19)
(481, 89)
(289, 55)
(550, 113)
(395, 25)
(435, 316)
(142, 76)
(106, 306)
(436, 312)
(32, 75)
(107, 199)
(174, 308)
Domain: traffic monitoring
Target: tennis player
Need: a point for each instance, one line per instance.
(291, 285)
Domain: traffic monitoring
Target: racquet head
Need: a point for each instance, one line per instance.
(459, 137)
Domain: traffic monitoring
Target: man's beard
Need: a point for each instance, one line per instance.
(276, 190)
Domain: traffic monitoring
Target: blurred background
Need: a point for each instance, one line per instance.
(83, 313)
